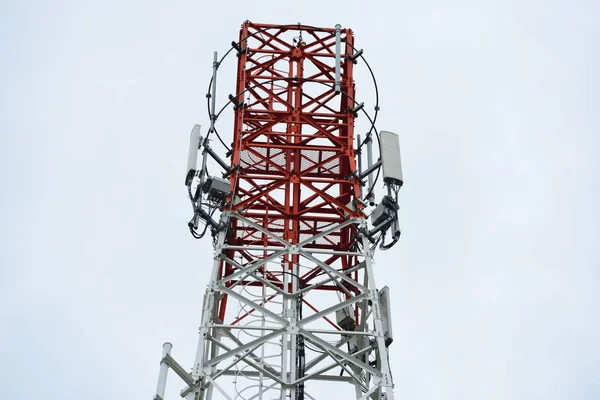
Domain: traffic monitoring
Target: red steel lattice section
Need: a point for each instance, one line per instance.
(293, 147)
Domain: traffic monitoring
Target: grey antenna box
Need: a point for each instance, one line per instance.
(390, 158)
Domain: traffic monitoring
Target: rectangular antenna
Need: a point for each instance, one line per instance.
(390, 158)
(384, 301)
(193, 154)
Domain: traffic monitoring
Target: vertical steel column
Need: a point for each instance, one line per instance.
(359, 159)
(382, 351)
(338, 42)
(162, 375)
(213, 99)
(369, 140)
(205, 347)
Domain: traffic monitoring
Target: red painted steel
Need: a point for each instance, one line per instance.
(293, 150)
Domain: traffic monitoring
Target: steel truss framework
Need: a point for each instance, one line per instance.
(293, 252)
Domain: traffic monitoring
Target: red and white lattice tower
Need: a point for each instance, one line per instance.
(291, 310)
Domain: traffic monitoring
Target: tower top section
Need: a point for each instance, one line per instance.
(296, 151)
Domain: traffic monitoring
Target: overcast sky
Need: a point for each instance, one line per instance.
(495, 281)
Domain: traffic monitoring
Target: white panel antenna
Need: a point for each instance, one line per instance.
(390, 158)
(195, 140)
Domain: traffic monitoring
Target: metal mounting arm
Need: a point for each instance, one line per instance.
(205, 216)
(370, 170)
(215, 157)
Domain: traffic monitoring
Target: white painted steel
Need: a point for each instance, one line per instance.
(260, 351)
(162, 375)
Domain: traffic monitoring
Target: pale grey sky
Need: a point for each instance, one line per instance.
(495, 281)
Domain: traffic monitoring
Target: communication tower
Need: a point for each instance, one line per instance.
(291, 310)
